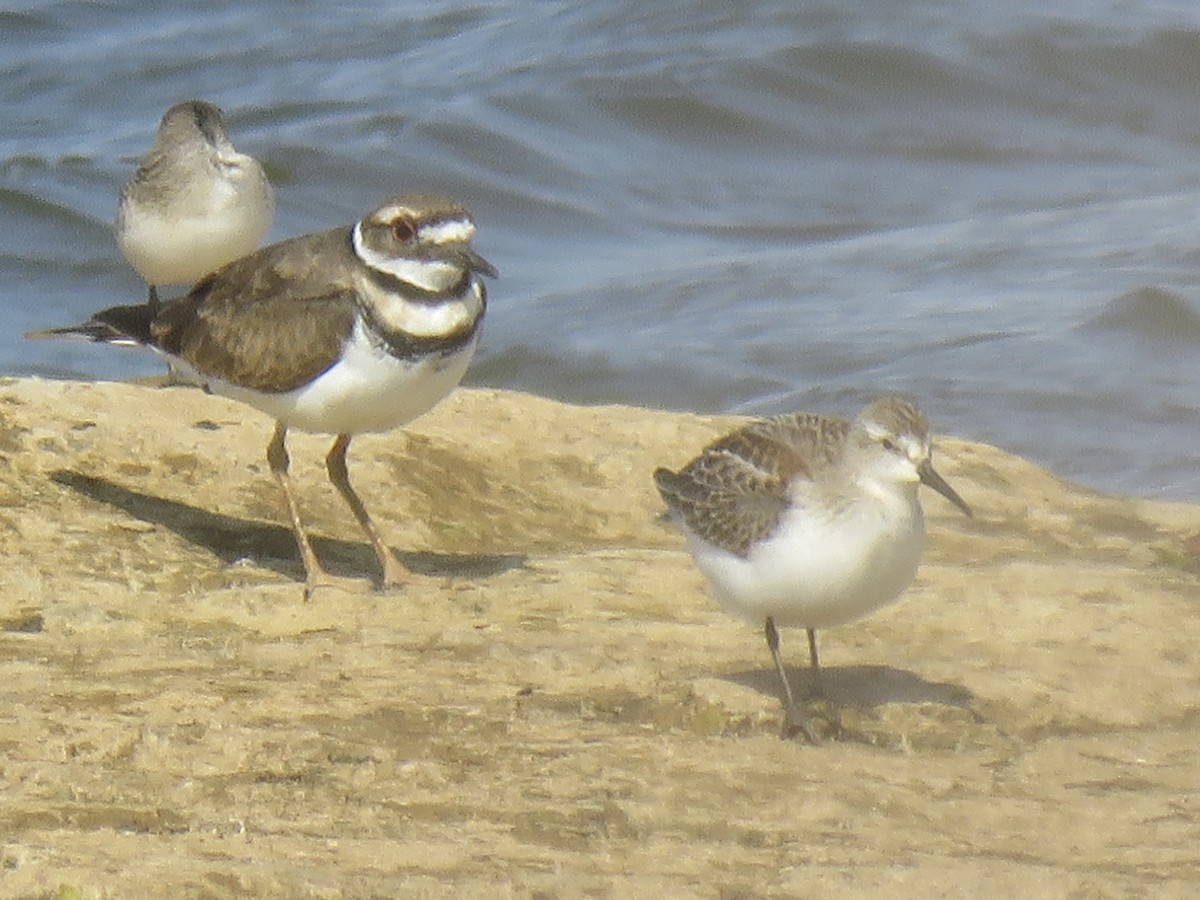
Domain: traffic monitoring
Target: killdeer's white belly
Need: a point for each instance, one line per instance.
(366, 390)
(815, 571)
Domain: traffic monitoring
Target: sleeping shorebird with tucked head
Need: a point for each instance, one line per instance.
(194, 203)
(808, 520)
(358, 329)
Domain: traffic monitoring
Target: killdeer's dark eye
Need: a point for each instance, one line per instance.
(403, 230)
(889, 445)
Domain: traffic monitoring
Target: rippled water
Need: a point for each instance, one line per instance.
(701, 205)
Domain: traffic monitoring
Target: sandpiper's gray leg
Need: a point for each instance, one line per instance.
(795, 720)
(815, 663)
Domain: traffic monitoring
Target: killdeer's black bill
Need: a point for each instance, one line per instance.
(357, 329)
(194, 203)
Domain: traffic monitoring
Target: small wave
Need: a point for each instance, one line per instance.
(595, 377)
(677, 114)
(1150, 312)
(16, 204)
(872, 67)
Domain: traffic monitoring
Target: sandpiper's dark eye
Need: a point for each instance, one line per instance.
(889, 445)
(403, 230)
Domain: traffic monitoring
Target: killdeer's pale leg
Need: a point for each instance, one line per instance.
(353, 330)
(315, 575)
(808, 520)
(394, 574)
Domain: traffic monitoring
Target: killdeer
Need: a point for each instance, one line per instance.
(357, 329)
(808, 520)
(194, 203)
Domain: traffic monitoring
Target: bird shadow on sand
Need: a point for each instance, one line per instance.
(864, 687)
(270, 545)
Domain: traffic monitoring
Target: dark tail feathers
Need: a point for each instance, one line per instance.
(115, 325)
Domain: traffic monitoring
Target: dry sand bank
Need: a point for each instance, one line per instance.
(553, 707)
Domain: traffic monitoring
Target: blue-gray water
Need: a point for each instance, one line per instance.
(704, 205)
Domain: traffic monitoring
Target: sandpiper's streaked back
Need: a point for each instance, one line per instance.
(808, 520)
(357, 329)
(194, 203)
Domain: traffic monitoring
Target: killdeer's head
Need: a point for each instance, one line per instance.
(422, 242)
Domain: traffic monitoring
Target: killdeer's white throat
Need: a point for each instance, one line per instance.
(808, 520)
(358, 329)
(194, 203)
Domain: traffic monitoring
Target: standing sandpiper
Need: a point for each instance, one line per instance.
(194, 203)
(808, 520)
(358, 329)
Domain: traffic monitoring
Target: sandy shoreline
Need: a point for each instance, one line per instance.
(554, 707)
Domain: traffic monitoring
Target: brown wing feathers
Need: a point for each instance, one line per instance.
(734, 493)
(280, 346)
